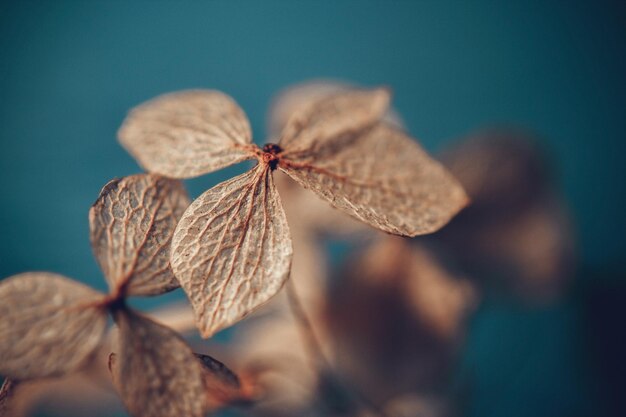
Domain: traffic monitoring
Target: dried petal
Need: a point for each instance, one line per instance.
(333, 117)
(155, 372)
(383, 178)
(437, 298)
(231, 250)
(50, 325)
(132, 224)
(312, 217)
(222, 385)
(296, 98)
(188, 133)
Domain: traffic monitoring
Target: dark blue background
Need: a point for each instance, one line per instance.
(69, 71)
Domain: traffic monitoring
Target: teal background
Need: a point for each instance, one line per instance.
(69, 71)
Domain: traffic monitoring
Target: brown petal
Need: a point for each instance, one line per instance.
(155, 372)
(333, 117)
(222, 385)
(187, 133)
(132, 224)
(49, 325)
(312, 217)
(383, 178)
(231, 250)
(296, 98)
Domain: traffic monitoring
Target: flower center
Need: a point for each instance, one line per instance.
(271, 153)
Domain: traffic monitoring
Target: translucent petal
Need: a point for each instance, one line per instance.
(382, 177)
(187, 133)
(333, 117)
(50, 325)
(231, 251)
(132, 224)
(296, 98)
(154, 371)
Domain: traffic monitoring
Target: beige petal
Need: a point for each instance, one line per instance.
(296, 98)
(49, 325)
(231, 250)
(155, 372)
(132, 224)
(383, 178)
(332, 117)
(187, 133)
(312, 217)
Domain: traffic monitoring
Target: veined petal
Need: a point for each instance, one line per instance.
(333, 117)
(231, 251)
(187, 134)
(132, 224)
(49, 325)
(155, 371)
(382, 177)
(296, 98)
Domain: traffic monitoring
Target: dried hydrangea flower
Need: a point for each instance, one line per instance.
(231, 251)
(51, 325)
(305, 210)
(273, 341)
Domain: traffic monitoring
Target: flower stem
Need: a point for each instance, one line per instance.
(316, 354)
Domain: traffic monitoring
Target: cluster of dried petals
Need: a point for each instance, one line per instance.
(518, 227)
(396, 308)
(52, 325)
(231, 251)
(272, 344)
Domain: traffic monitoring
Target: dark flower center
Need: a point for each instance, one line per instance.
(270, 154)
(272, 148)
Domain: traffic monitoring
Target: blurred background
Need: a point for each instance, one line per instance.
(69, 72)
